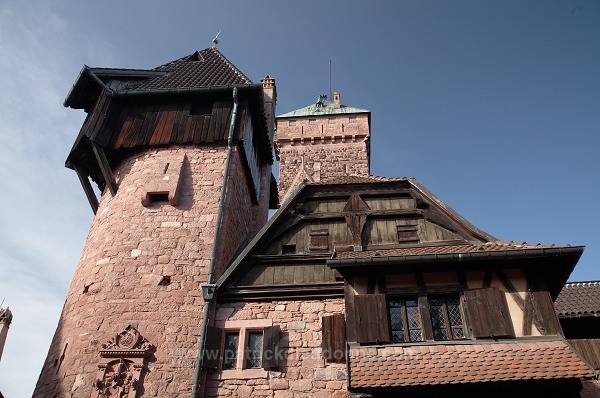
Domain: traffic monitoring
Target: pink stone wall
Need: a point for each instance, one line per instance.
(326, 150)
(304, 372)
(129, 250)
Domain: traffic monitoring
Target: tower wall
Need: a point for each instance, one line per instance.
(321, 147)
(143, 266)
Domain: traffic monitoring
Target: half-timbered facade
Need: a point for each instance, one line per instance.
(417, 300)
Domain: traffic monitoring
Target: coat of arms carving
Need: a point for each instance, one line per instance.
(121, 365)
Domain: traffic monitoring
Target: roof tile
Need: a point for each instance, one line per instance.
(579, 298)
(472, 363)
(445, 249)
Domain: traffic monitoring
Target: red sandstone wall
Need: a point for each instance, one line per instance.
(326, 150)
(323, 161)
(128, 250)
(304, 373)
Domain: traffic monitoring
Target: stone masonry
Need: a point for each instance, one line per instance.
(143, 266)
(304, 372)
(320, 147)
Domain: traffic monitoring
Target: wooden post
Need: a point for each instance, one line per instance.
(105, 168)
(87, 187)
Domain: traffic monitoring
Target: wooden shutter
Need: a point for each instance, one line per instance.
(371, 318)
(271, 355)
(407, 233)
(334, 338)
(319, 240)
(211, 357)
(487, 313)
(542, 310)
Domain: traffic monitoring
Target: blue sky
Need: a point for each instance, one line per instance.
(492, 105)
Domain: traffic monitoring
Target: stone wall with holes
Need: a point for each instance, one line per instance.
(303, 373)
(142, 265)
(320, 161)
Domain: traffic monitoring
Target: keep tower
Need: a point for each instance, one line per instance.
(182, 155)
(321, 141)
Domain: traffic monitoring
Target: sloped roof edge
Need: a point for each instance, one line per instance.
(263, 231)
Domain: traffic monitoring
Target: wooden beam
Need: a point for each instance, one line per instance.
(105, 168)
(87, 188)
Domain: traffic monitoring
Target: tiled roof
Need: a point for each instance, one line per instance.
(579, 298)
(357, 179)
(204, 68)
(322, 107)
(444, 249)
(396, 366)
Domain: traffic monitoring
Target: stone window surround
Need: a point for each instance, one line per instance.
(244, 327)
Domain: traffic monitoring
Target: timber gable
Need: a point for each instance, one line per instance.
(289, 257)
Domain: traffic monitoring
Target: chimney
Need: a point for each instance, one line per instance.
(270, 99)
(336, 100)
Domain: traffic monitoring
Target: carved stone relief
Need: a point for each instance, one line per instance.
(121, 365)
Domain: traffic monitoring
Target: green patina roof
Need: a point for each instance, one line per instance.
(322, 107)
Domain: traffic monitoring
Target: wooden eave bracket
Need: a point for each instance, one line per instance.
(105, 168)
(87, 187)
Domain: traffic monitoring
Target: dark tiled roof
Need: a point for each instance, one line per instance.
(206, 68)
(579, 298)
(444, 249)
(396, 366)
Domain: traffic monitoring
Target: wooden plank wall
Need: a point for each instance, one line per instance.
(129, 126)
(287, 274)
(589, 349)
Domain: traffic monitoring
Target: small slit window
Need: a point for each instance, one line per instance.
(158, 198)
(288, 249)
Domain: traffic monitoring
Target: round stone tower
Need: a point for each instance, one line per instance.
(182, 154)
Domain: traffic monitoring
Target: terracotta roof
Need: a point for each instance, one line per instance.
(204, 68)
(396, 366)
(579, 298)
(444, 249)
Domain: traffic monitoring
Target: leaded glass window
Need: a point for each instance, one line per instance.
(405, 320)
(254, 350)
(446, 318)
(230, 351)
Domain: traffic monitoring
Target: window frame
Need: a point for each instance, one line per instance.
(243, 329)
(448, 327)
(423, 301)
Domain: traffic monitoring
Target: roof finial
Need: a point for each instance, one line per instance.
(216, 40)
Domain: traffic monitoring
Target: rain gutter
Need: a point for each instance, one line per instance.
(209, 288)
(454, 257)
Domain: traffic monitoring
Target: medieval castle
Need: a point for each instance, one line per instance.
(357, 286)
